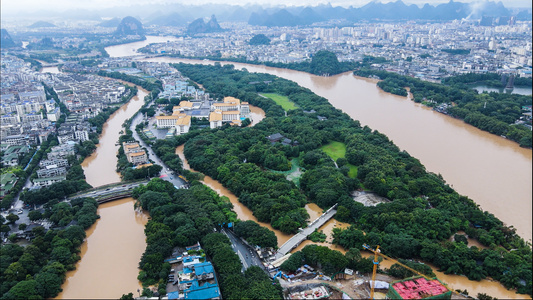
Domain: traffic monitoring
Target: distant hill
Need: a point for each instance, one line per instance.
(309, 16)
(5, 39)
(375, 10)
(280, 18)
(524, 15)
(40, 24)
(239, 15)
(199, 26)
(173, 19)
(110, 23)
(130, 26)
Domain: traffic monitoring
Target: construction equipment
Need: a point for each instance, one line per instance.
(376, 262)
(378, 252)
(280, 275)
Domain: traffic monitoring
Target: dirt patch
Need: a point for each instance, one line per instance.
(356, 286)
(368, 198)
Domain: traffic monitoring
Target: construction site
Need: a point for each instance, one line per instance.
(308, 283)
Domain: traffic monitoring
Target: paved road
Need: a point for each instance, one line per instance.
(173, 178)
(247, 255)
(108, 191)
(294, 241)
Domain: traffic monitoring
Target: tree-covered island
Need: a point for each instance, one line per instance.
(424, 212)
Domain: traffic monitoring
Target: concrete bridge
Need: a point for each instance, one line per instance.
(110, 192)
(298, 238)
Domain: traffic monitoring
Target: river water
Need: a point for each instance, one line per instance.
(100, 166)
(493, 171)
(110, 255)
(111, 252)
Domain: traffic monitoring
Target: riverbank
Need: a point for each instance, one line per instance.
(458, 144)
(104, 271)
(120, 275)
(497, 118)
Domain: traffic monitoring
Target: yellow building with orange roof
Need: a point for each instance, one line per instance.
(180, 121)
(184, 105)
(228, 104)
(215, 119)
(134, 153)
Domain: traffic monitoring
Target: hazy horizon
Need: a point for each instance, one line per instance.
(21, 7)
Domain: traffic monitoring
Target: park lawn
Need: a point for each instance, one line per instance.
(282, 101)
(336, 150)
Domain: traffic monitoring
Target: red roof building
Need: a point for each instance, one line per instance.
(418, 288)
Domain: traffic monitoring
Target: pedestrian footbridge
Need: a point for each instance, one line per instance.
(299, 237)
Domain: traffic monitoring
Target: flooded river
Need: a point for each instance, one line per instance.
(100, 167)
(111, 253)
(495, 172)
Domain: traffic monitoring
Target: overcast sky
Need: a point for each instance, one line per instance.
(16, 6)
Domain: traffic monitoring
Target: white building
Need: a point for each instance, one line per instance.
(54, 115)
(48, 181)
(135, 154)
(230, 110)
(180, 121)
(81, 135)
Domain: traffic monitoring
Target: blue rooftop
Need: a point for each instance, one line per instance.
(173, 295)
(206, 291)
(203, 268)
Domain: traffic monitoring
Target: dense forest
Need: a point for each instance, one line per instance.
(259, 39)
(423, 214)
(321, 63)
(255, 234)
(182, 217)
(38, 270)
(133, 79)
(492, 112)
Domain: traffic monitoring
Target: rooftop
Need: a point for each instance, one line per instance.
(418, 288)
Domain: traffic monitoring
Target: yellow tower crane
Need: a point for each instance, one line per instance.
(378, 252)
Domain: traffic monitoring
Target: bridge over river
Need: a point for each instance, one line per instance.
(294, 241)
(110, 192)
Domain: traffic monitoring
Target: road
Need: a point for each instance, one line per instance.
(247, 255)
(17, 203)
(108, 191)
(173, 178)
(299, 237)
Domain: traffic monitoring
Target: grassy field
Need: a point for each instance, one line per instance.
(337, 150)
(282, 101)
(294, 173)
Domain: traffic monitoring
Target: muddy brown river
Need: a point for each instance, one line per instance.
(112, 250)
(494, 172)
